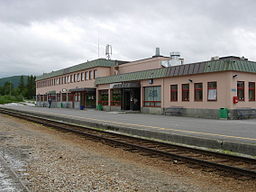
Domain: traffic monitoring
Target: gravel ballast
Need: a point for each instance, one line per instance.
(50, 160)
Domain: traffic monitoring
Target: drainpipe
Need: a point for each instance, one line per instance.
(162, 103)
(109, 99)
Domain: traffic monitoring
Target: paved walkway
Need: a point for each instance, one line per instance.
(228, 130)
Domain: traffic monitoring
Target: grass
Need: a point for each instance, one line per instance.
(4, 99)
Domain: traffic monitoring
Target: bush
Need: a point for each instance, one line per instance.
(10, 99)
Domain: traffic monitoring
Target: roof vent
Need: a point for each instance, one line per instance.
(157, 51)
(243, 58)
(215, 58)
(157, 54)
(175, 60)
(231, 57)
(108, 51)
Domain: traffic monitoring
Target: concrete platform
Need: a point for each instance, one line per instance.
(228, 135)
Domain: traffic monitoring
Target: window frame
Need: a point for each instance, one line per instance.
(74, 78)
(90, 75)
(78, 77)
(243, 91)
(82, 76)
(196, 90)
(183, 91)
(251, 89)
(71, 78)
(94, 74)
(103, 97)
(174, 98)
(153, 103)
(86, 76)
(209, 88)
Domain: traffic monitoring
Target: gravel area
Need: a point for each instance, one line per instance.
(50, 160)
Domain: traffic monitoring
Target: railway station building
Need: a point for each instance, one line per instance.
(221, 87)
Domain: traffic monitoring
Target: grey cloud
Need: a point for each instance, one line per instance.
(39, 36)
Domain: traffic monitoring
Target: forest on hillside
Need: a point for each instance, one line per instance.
(14, 79)
(24, 89)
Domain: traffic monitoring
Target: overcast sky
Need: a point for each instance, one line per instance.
(39, 36)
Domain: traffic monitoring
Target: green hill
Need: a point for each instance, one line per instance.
(15, 80)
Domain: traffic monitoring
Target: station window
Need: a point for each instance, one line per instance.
(58, 97)
(94, 74)
(174, 92)
(90, 75)
(185, 92)
(82, 76)
(64, 97)
(212, 91)
(71, 78)
(86, 75)
(251, 91)
(75, 77)
(78, 77)
(103, 97)
(198, 91)
(116, 97)
(70, 96)
(240, 90)
(152, 96)
(77, 97)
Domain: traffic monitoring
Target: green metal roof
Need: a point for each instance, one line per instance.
(148, 74)
(82, 66)
(223, 64)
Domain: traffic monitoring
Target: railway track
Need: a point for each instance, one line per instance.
(241, 166)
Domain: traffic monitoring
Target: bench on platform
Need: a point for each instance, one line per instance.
(176, 111)
(245, 113)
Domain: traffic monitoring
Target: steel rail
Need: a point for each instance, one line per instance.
(149, 146)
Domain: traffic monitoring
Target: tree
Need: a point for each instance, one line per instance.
(1, 91)
(7, 88)
(21, 86)
(31, 87)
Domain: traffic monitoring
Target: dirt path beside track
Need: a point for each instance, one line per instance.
(50, 160)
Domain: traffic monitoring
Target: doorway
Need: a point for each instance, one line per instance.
(131, 99)
(91, 100)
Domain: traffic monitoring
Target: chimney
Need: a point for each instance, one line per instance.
(157, 54)
(157, 51)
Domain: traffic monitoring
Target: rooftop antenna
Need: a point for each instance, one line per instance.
(108, 51)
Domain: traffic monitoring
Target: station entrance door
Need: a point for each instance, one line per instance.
(130, 99)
